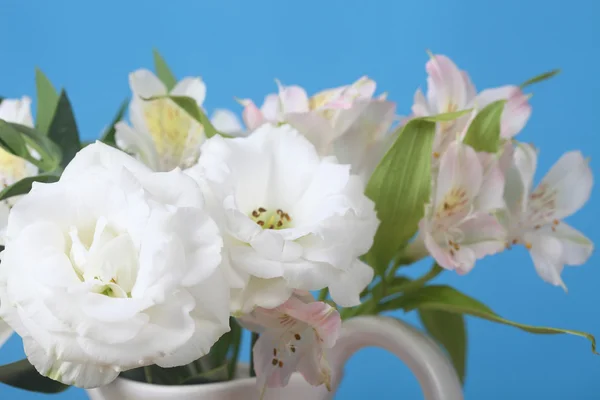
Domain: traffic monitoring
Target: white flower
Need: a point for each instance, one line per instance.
(227, 122)
(163, 135)
(458, 227)
(290, 219)
(294, 337)
(533, 218)
(13, 168)
(111, 268)
(346, 122)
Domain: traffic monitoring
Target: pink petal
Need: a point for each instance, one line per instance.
(323, 318)
(447, 88)
(516, 111)
(252, 116)
(293, 98)
(545, 252)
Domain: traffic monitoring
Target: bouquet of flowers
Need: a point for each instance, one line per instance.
(145, 254)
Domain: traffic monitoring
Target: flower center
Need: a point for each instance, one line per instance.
(271, 219)
(455, 200)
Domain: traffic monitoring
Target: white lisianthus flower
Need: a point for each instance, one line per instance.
(112, 268)
(163, 136)
(290, 219)
(533, 217)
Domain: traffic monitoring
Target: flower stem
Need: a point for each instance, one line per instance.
(148, 373)
(323, 294)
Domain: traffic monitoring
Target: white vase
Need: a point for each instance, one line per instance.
(435, 374)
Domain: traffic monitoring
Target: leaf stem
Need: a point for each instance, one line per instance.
(148, 373)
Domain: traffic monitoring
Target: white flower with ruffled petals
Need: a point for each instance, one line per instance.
(534, 218)
(293, 337)
(163, 136)
(114, 267)
(290, 219)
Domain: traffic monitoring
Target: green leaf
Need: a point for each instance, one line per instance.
(163, 71)
(450, 331)
(12, 141)
(49, 154)
(484, 132)
(47, 100)
(24, 185)
(63, 130)
(445, 117)
(23, 375)
(108, 136)
(400, 188)
(540, 78)
(236, 340)
(446, 298)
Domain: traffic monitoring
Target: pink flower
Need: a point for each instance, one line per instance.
(458, 227)
(516, 111)
(294, 337)
(533, 218)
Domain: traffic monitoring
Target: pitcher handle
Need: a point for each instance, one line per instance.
(421, 354)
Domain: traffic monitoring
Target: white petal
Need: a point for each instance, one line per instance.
(191, 87)
(546, 255)
(145, 84)
(227, 122)
(17, 111)
(77, 374)
(576, 248)
(345, 291)
(137, 143)
(569, 183)
(266, 293)
(5, 332)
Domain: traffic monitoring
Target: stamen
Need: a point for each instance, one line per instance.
(297, 336)
(262, 210)
(280, 364)
(556, 222)
(261, 223)
(528, 245)
(255, 214)
(274, 352)
(275, 361)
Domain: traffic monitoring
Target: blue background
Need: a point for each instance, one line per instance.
(239, 47)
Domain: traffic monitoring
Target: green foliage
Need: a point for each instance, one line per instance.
(23, 375)
(450, 331)
(484, 131)
(540, 78)
(63, 130)
(400, 187)
(163, 71)
(108, 136)
(448, 299)
(47, 100)
(19, 139)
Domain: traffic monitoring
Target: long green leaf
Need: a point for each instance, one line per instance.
(22, 375)
(450, 331)
(47, 100)
(63, 130)
(48, 153)
(12, 141)
(24, 185)
(446, 298)
(540, 78)
(163, 71)
(484, 132)
(108, 136)
(400, 188)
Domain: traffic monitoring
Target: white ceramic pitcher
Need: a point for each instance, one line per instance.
(436, 375)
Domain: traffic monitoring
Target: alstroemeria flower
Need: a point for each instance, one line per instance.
(516, 110)
(227, 122)
(448, 90)
(290, 219)
(534, 218)
(163, 136)
(346, 122)
(458, 227)
(293, 337)
(113, 267)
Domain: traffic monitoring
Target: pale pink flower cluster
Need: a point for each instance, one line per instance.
(483, 203)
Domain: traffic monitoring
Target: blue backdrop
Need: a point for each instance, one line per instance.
(239, 47)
